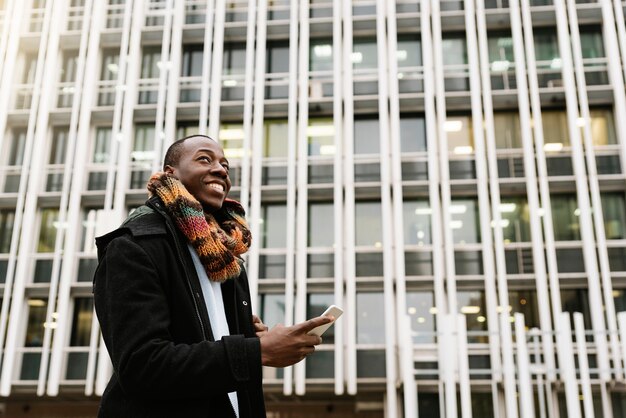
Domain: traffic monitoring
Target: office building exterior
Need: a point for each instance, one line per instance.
(449, 172)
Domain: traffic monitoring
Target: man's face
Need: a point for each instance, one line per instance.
(203, 170)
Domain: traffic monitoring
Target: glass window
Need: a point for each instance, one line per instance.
(192, 60)
(273, 227)
(500, 48)
(555, 132)
(30, 67)
(277, 58)
(102, 146)
(321, 55)
(370, 321)
(321, 225)
(412, 134)
(230, 138)
(321, 136)
(603, 127)
(272, 309)
(619, 299)
(409, 52)
(48, 230)
(515, 219)
(110, 64)
(364, 54)
(368, 224)
(81, 322)
(591, 42)
(472, 304)
(464, 221)
(417, 228)
(577, 300)
(59, 144)
(7, 218)
(234, 61)
(546, 46)
(614, 213)
(276, 138)
(454, 50)
(421, 311)
(142, 155)
(366, 136)
(16, 147)
(525, 302)
(151, 56)
(459, 133)
(37, 309)
(69, 67)
(565, 217)
(507, 130)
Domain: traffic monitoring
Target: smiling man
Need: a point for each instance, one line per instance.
(172, 297)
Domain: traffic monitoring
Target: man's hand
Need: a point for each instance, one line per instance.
(259, 327)
(283, 346)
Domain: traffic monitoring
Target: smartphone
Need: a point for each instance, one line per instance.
(332, 310)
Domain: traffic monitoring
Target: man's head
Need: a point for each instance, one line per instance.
(198, 162)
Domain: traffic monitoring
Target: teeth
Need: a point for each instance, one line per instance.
(217, 186)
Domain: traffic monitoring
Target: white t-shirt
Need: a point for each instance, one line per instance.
(212, 292)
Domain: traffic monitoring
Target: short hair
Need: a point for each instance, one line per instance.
(173, 153)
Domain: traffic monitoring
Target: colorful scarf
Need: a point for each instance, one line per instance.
(218, 238)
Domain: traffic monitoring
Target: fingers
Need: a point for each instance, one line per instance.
(259, 326)
(307, 326)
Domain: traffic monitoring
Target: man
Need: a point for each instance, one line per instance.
(173, 301)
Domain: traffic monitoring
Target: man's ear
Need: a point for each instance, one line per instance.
(169, 169)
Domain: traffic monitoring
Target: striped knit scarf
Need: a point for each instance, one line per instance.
(218, 238)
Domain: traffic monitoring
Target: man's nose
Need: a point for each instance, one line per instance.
(219, 169)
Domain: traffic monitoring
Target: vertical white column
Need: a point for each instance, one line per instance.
(444, 169)
(292, 145)
(618, 9)
(478, 68)
(525, 384)
(531, 178)
(63, 244)
(508, 366)
(120, 159)
(165, 67)
(6, 83)
(384, 56)
(173, 81)
(582, 192)
(348, 215)
(216, 69)
(594, 187)
(253, 135)
(463, 360)
(544, 189)
(302, 175)
(407, 366)
(206, 67)
(535, 334)
(567, 366)
(36, 136)
(449, 368)
(583, 365)
(9, 10)
(433, 181)
(615, 73)
(338, 119)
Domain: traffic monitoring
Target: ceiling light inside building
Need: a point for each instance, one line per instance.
(230, 134)
(463, 150)
(320, 130)
(423, 211)
(402, 55)
(456, 224)
(323, 51)
(356, 57)
(113, 68)
(500, 66)
(453, 125)
(553, 147)
(556, 64)
(507, 207)
(457, 209)
(230, 83)
(470, 310)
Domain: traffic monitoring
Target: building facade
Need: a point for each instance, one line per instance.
(449, 172)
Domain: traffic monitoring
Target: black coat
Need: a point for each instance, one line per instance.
(156, 328)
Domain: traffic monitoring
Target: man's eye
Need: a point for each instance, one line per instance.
(207, 159)
(226, 167)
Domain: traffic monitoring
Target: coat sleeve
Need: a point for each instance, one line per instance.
(133, 311)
